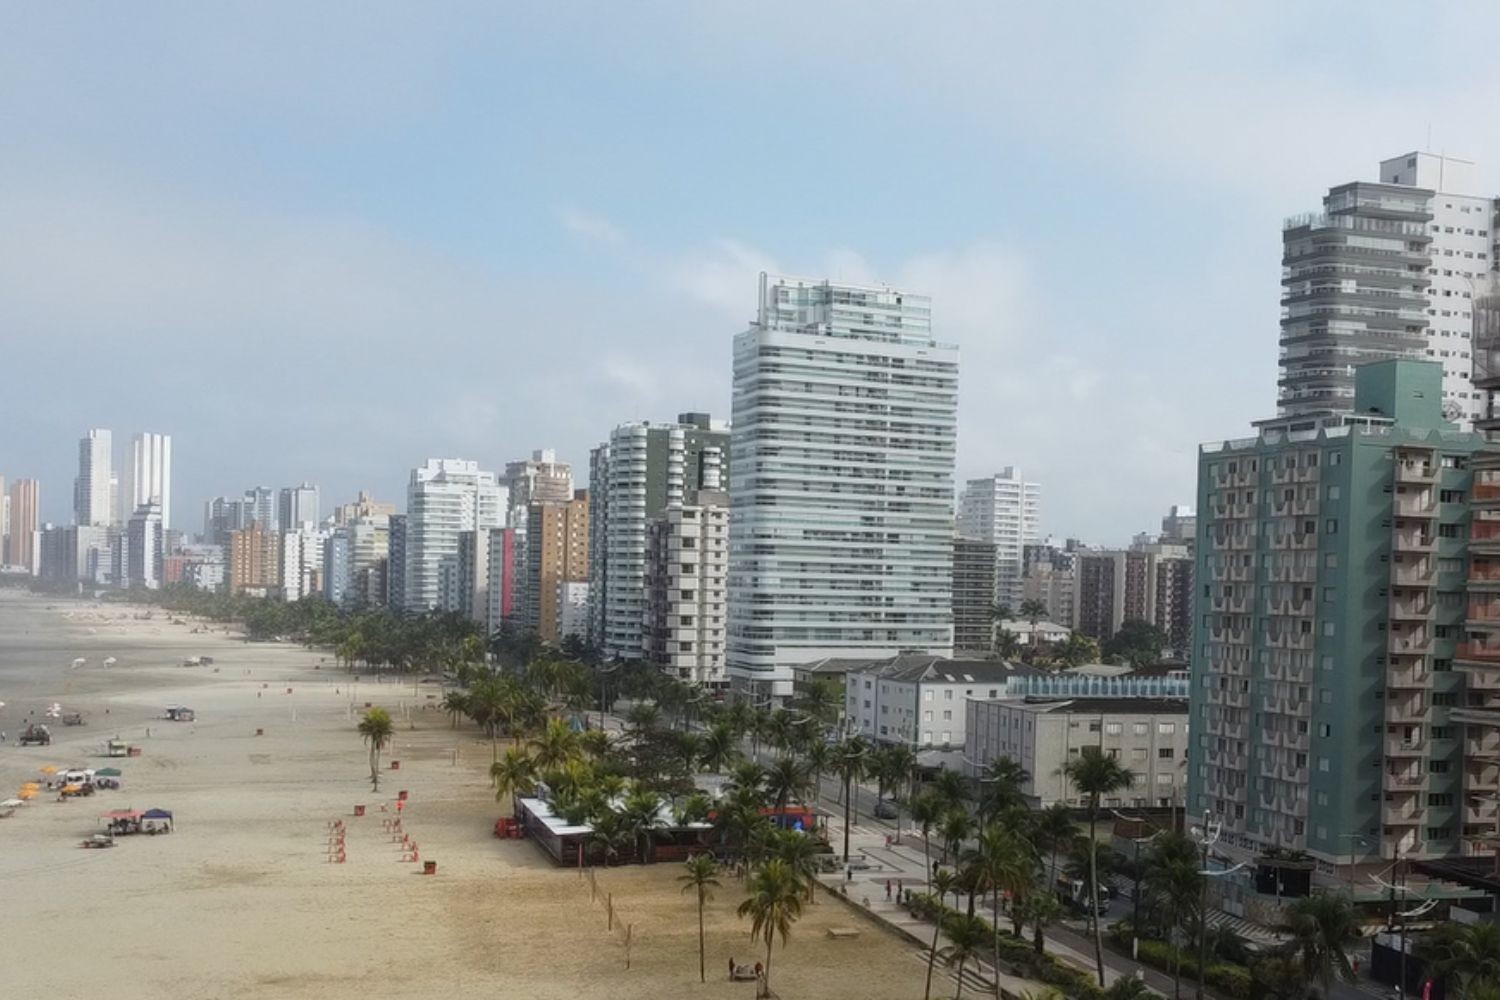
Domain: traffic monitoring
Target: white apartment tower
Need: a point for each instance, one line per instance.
(445, 498)
(841, 481)
(296, 506)
(1460, 251)
(150, 473)
(92, 503)
(1386, 270)
(687, 566)
(1003, 510)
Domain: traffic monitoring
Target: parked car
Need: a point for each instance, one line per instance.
(887, 809)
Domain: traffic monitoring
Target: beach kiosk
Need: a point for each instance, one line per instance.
(180, 713)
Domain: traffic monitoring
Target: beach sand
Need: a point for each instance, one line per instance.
(243, 901)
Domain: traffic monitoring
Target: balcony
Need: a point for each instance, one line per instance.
(1410, 470)
(1485, 490)
(1483, 812)
(1483, 614)
(1404, 747)
(1294, 508)
(1295, 573)
(1406, 710)
(1291, 640)
(1407, 677)
(1484, 535)
(1411, 644)
(1410, 780)
(1418, 608)
(1482, 779)
(1484, 575)
(1399, 815)
(1412, 574)
(1292, 608)
(1413, 541)
(1478, 652)
(1422, 505)
(1295, 541)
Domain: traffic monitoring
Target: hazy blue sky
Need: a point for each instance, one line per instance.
(324, 241)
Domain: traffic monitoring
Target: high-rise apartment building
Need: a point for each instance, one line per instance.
(1386, 270)
(144, 547)
(4, 524)
(92, 501)
(395, 570)
(261, 507)
(446, 497)
(302, 562)
(1326, 716)
(500, 591)
(296, 506)
(540, 478)
(685, 631)
(642, 470)
(254, 562)
(841, 481)
(1180, 526)
(336, 564)
(362, 508)
(1005, 511)
(1050, 571)
(150, 475)
(1150, 582)
(368, 557)
(974, 596)
(557, 553)
(25, 501)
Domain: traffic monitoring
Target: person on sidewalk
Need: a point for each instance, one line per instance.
(887, 890)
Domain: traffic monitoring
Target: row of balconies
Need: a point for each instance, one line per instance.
(1415, 470)
(1423, 504)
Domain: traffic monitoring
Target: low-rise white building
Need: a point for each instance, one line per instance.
(919, 699)
(1148, 736)
(1043, 632)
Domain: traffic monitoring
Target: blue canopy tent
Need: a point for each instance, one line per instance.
(156, 821)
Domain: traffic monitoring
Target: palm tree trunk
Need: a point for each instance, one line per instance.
(765, 980)
(702, 971)
(995, 927)
(927, 858)
(960, 993)
(1093, 902)
(937, 926)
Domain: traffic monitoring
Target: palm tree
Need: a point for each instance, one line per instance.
(1007, 644)
(1002, 785)
(643, 715)
(939, 885)
(817, 756)
(1003, 863)
(612, 836)
(1041, 910)
(1465, 955)
(965, 943)
(376, 728)
(1095, 775)
(1128, 988)
(786, 780)
(1175, 885)
(555, 745)
(700, 875)
(800, 853)
(455, 703)
(849, 762)
(717, 748)
(639, 814)
(774, 904)
(1053, 829)
(513, 774)
(951, 788)
(1320, 929)
(956, 827)
(897, 767)
(1278, 977)
(926, 811)
(1077, 649)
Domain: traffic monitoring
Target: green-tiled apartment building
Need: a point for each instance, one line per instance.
(1328, 610)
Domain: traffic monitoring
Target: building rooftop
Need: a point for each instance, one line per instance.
(1102, 706)
(913, 667)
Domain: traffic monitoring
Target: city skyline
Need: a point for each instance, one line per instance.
(618, 280)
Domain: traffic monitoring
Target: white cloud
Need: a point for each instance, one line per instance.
(592, 227)
(722, 276)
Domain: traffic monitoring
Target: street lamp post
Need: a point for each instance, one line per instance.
(1206, 835)
(1135, 916)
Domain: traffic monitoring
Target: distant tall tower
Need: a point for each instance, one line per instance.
(150, 473)
(1005, 511)
(92, 501)
(25, 501)
(296, 506)
(844, 429)
(445, 498)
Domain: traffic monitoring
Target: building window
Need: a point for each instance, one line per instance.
(1166, 728)
(1113, 728)
(1164, 753)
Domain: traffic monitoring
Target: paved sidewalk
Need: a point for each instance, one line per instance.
(904, 863)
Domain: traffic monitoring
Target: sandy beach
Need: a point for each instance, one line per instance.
(243, 901)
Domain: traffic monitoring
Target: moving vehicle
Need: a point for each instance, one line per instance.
(99, 840)
(73, 719)
(1072, 892)
(36, 734)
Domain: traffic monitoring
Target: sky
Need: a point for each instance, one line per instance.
(326, 241)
